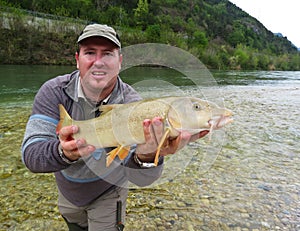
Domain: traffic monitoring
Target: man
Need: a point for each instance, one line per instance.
(89, 191)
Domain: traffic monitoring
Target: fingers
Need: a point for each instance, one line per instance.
(157, 129)
(176, 144)
(154, 131)
(78, 152)
(184, 138)
(150, 144)
(199, 135)
(148, 133)
(66, 132)
(73, 149)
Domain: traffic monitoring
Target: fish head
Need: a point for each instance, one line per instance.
(195, 115)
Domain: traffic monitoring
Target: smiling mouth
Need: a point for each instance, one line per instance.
(98, 73)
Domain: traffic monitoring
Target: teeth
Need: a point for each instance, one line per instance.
(98, 73)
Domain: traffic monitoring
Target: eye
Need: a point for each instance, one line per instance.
(89, 53)
(197, 106)
(108, 53)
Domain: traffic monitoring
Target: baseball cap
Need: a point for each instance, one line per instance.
(99, 30)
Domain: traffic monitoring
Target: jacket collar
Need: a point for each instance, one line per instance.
(71, 89)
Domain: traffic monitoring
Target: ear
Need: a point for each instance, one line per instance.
(77, 59)
(120, 61)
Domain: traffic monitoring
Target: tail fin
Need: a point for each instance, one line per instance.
(65, 118)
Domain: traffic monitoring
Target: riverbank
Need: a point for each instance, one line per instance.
(35, 38)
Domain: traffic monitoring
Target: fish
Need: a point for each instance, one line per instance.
(121, 125)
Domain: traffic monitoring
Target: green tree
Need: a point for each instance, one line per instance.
(295, 62)
(236, 37)
(141, 13)
(116, 16)
(153, 33)
(242, 56)
(199, 39)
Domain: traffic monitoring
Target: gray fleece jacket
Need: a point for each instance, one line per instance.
(87, 179)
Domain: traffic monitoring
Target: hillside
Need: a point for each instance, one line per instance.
(220, 34)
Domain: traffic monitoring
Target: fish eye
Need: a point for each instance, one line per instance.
(197, 107)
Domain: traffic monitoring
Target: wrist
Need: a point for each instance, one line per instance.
(64, 157)
(146, 157)
(146, 160)
(143, 164)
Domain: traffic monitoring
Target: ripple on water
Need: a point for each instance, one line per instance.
(252, 183)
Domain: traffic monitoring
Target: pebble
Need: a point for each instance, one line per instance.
(253, 190)
(205, 201)
(190, 227)
(265, 224)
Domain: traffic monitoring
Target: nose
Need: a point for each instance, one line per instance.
(99, 61)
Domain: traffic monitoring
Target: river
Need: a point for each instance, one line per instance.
(245, 178)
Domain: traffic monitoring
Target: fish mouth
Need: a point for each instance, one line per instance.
(219, 122)
(220, 119)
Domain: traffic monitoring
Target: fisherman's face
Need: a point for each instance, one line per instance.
(99, 62)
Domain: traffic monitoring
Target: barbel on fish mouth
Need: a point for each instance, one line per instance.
(121, 125)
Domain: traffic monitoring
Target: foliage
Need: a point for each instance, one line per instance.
(34, 47)
(216, 31)
(153, 33)
(141, 13)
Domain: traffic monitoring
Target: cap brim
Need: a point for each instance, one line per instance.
(88, 35)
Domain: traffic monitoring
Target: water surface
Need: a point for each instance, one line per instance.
(246, 178)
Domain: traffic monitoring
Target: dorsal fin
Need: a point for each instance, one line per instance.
(108, 107)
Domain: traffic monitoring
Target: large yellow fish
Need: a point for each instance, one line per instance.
(121, 125)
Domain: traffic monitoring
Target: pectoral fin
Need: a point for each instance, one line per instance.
(123, 152)
(161, 143)
(111, 156)
(120, 151)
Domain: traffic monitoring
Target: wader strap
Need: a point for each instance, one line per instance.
(119, 224)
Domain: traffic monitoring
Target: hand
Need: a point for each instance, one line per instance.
(73, 149)
(153, 132)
